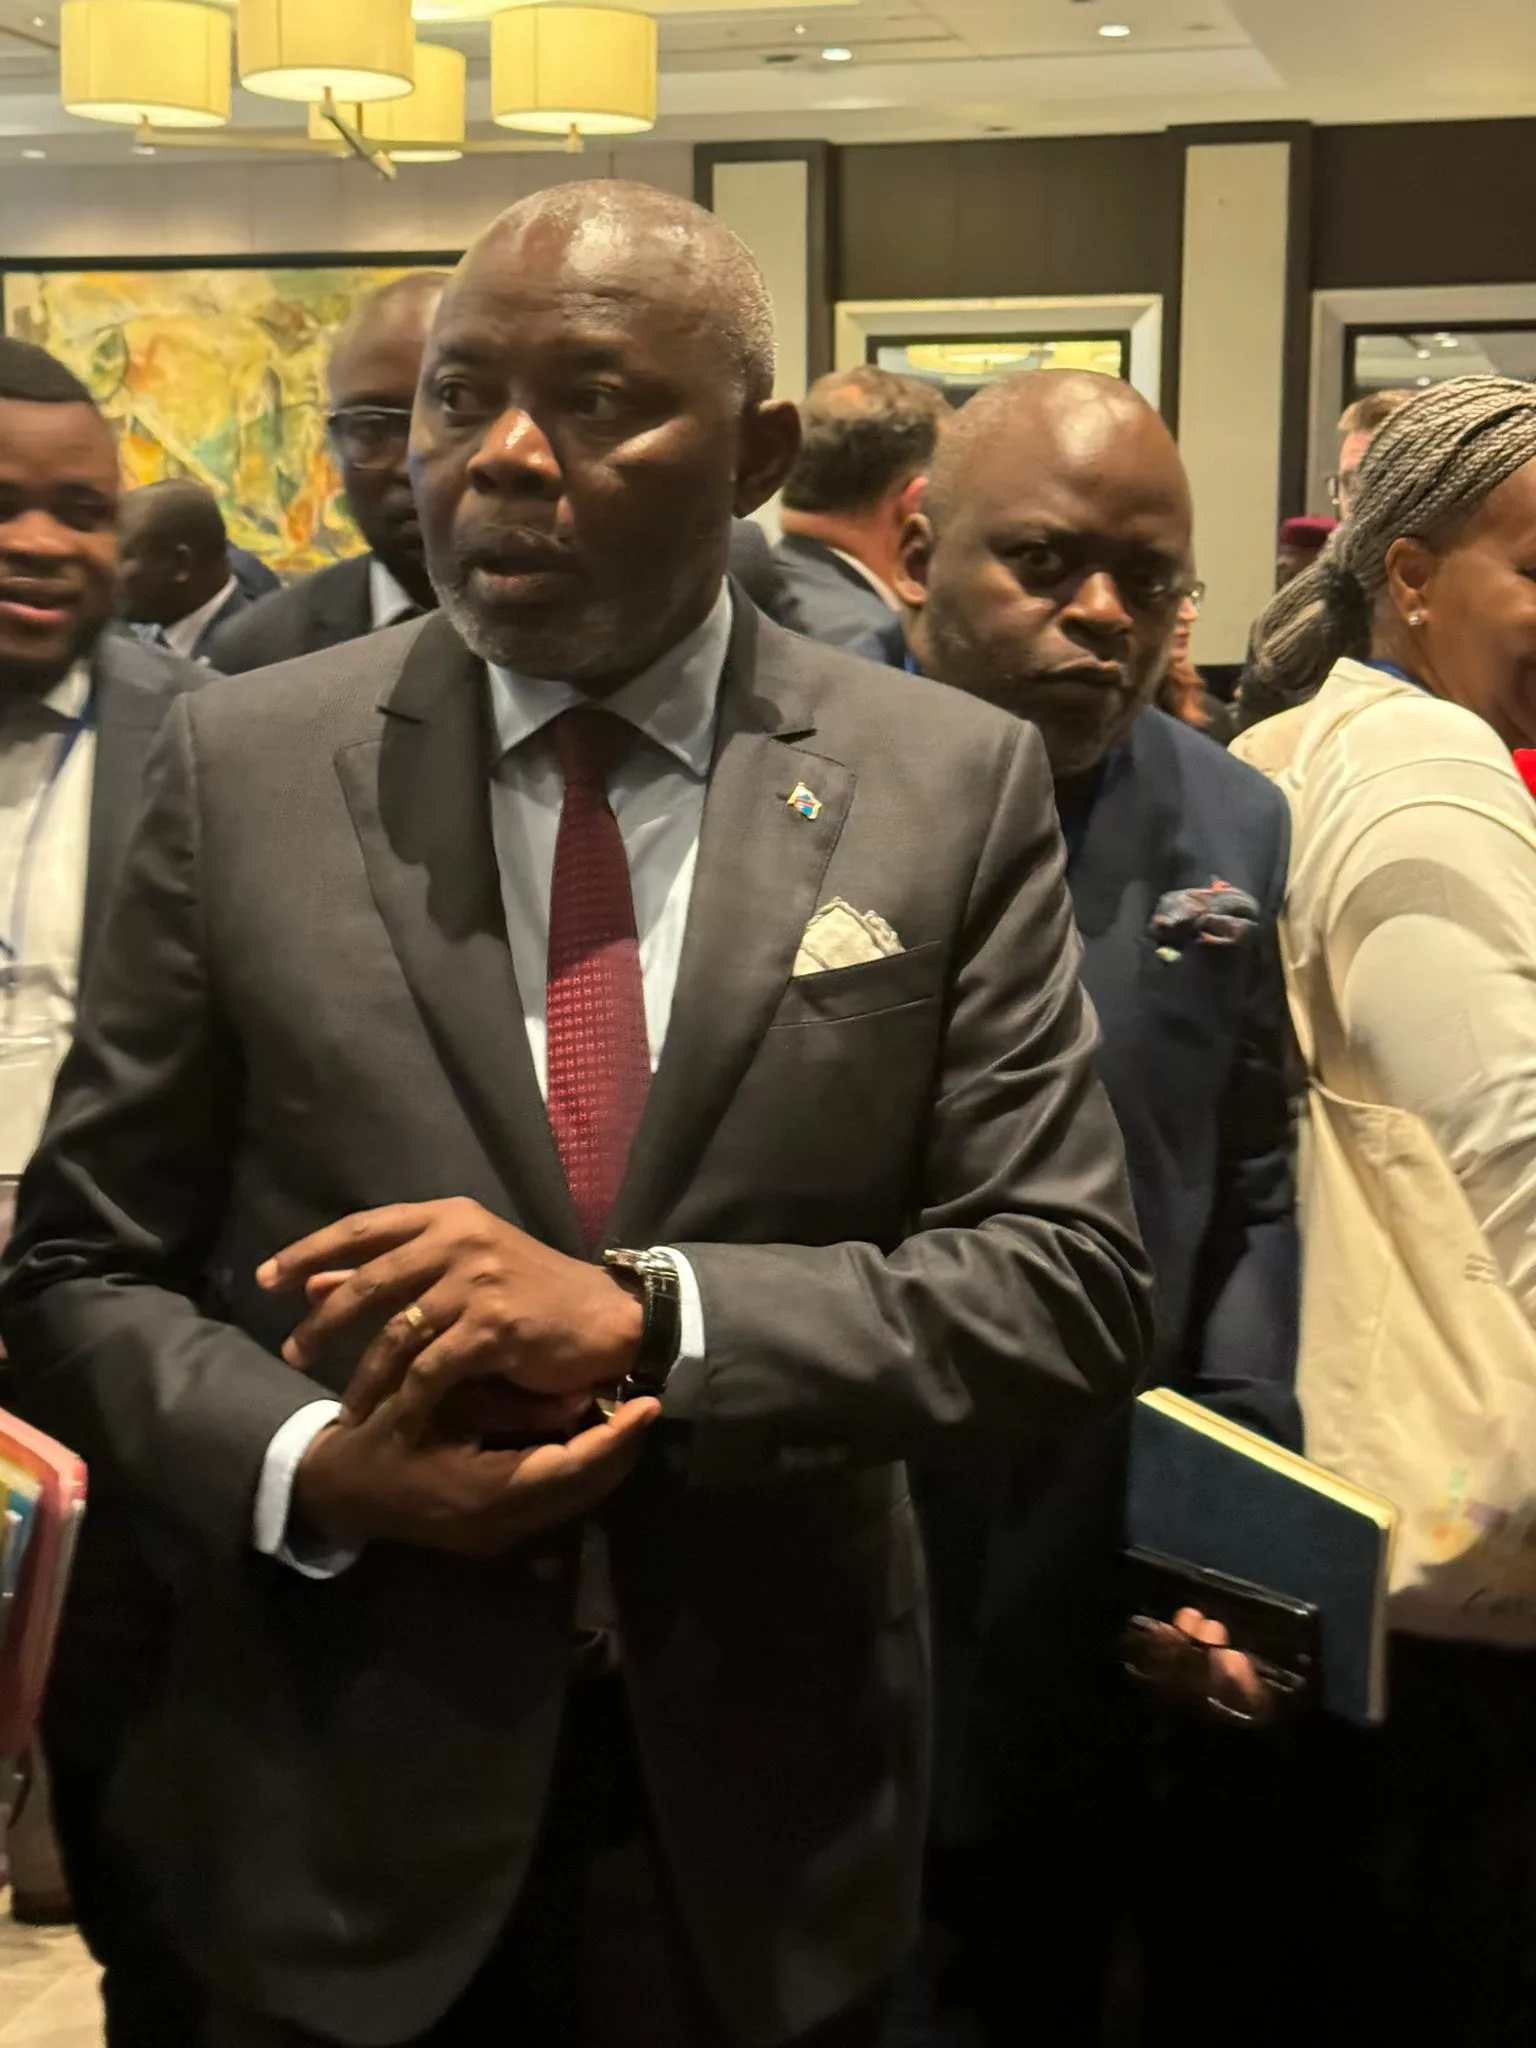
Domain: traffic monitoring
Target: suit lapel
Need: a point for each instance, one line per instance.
(757, 884)
(236, 602)
(127, 714)
(420, 804)
(343, 608)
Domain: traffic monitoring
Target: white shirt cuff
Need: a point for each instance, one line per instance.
(687, 1374)
(274, 1496)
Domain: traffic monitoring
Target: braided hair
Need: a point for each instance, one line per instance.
(1425, 474)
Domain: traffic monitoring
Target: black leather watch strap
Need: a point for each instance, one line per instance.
(661, 1330)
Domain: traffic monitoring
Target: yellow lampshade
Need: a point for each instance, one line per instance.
(589, 68)
(165, 61)
(420, 129)
(456, 10)
(303, 49)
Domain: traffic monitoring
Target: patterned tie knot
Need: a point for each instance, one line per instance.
(589, 745)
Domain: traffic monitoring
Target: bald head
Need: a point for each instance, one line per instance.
(1055, 550)
(387, 331)
(624, 240)
(173, 553)
(595, 407)
(176, 513)
(1071, 420)
(375, 368)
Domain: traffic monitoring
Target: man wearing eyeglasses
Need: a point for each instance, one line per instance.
(1047, 575)
(373, 375)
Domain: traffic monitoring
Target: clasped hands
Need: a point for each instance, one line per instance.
(473, 1328)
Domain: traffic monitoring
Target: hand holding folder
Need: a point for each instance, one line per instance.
(1292, 1559)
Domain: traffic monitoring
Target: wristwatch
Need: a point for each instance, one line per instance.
(661, 1332)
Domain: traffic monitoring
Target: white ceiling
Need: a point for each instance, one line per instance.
(929, 69)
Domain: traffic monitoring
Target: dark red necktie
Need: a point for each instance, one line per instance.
(599, 1056)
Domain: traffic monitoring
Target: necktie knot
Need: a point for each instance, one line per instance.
(589, 745)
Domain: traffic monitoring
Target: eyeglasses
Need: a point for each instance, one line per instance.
(370, 436)
(1336, 493)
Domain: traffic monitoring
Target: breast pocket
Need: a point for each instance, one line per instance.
(869, 989)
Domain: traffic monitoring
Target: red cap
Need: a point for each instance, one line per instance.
(1307, 532)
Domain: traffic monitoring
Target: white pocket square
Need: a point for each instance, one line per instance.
(840, 936)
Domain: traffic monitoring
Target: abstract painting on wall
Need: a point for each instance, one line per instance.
(215, 374)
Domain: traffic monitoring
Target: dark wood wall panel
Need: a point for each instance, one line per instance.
(1012, 218)
(1424, 203)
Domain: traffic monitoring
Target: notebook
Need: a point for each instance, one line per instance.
(1211, 1493)
(44, 1485)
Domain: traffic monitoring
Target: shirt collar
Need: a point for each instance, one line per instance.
(70, 695)
(876, 583)
(388, 600)
(183, 636)
(673, 702)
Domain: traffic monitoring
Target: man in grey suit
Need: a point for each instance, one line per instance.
(80, 705)
(635, 1058)
(868, 436)
(373, 371)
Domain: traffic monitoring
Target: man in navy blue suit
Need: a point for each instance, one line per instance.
(1046, 575)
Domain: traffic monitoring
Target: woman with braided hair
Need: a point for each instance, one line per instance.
(1410, 934)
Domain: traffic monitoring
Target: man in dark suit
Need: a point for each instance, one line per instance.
(79, 708)
(868, 436)
(1046, 577)
(373, 371)
(175, 579)
(671, 1011)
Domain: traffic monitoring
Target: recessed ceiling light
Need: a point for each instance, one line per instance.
(1114, 28)
(1423, 354)
(143, 149)
(39, 21)
(800, 28)
(35, 156)
(1424, 382)
(1447, 341)
(836, 54)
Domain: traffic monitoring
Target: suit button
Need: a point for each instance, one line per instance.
(548, 1567)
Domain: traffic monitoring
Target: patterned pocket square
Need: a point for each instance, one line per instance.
(1217, 916)
(840, 936)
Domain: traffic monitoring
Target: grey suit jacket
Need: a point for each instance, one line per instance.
(320, 611)
(901, 1189)
(133, 686)
(835, 604)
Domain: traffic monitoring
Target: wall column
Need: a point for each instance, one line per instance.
(776, 195)
(1243, 337)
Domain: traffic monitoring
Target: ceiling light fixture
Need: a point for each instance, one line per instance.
(836, 54)
(35, 156)
(298, 50)
(1114, 29)
(573, 71)
(166, 61)
(427, 127)
(455, 10)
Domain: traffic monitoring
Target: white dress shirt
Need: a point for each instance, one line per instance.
(388, 600)
(45, 828)
(657, 794)
(185, 634)
(876, 583)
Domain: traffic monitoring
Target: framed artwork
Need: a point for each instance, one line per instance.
(216, 373)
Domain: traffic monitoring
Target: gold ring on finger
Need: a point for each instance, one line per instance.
(416, 1316)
